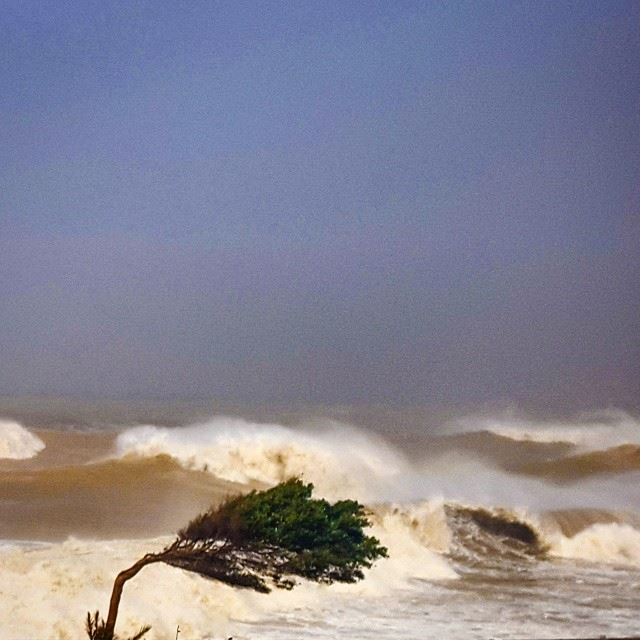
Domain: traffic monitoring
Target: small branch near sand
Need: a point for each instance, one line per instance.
(96, 629)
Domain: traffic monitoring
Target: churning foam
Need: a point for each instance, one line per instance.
(16, 442)
(47, 589)
(600, 430)
(416, 535)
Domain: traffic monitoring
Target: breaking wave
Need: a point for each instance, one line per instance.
(132, 497)
(620, 459)
(449, 503)
(601, 430)
(343, 461)
(485, 536)
(340, 460)
(615, 543)
(17, 443)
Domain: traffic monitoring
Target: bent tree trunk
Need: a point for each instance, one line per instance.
(118, 586)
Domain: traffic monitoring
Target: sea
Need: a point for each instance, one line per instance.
(499, 524)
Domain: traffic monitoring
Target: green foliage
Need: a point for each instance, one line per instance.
(321, 541)
(262, 538)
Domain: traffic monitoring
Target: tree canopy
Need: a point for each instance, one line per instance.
(263, 539)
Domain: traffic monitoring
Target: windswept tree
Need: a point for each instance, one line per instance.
(264, 539)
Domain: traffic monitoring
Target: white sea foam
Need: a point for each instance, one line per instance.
(46, 592)
(18, 443)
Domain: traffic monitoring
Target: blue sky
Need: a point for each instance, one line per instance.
(321, 202)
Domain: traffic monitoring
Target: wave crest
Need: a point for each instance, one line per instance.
(602, 430)
(614, 542)
(17, 443)
(338, 459)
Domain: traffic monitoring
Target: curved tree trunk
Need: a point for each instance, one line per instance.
(118, 586)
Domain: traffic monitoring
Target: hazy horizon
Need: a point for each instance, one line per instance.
(360, 203)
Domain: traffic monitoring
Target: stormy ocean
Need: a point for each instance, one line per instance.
(498, 525)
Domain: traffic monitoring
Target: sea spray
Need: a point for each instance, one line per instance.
(417, 536)
(17, 443)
